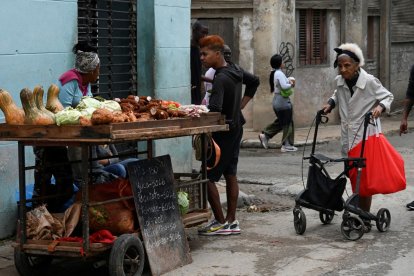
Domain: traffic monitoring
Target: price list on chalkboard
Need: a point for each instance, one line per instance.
(159, 218)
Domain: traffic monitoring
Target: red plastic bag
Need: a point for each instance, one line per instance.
(384, 172)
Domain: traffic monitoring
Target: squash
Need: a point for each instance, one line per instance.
(33, 116)
(38, 98)
(13, 114)
(53, 104)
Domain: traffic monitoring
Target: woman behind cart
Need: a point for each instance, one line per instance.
(356, 94)
(73, 85)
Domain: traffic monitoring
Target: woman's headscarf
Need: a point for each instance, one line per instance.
(352, 50)
(86, 62)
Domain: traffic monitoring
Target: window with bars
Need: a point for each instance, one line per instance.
(312, 37)
(111, 26)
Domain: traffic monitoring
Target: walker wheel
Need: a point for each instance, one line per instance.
(127, 256)
(326, 217)
(352, 228)
(383, 219)
(299, 220)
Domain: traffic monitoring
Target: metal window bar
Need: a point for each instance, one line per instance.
(110, 25)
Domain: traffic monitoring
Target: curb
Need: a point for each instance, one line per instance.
(255, 143)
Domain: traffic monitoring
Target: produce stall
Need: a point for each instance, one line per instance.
(85, 137)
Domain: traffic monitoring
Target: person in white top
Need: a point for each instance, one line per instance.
(282, 107)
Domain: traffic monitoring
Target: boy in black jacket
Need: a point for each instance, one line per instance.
(225, 98)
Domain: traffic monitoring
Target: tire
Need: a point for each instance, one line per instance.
(352, 228)
(127, 256)
(383, 220)
(326, 218)
(299, 220)
(31, 265)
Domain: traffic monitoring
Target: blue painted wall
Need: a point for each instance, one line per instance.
(35, 48)
(169, 48)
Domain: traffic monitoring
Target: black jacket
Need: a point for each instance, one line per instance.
(226, 94)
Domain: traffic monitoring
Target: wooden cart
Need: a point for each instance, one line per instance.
(32, 254)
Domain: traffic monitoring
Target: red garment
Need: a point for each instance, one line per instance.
(101, 236)
(72, 74)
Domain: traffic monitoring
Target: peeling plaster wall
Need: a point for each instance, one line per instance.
(402, 58)
(314, 84)
(270, 21)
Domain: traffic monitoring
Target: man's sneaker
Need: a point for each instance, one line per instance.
(410, 205)
(288, 148)
(264, 140)
(214, 228)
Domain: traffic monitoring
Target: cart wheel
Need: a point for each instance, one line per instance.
(127, 256)
(299, 220)
(352, 228)
(326, 217)
(29, 264)
(383, 219)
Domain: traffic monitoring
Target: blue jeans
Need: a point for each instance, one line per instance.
(119, 168)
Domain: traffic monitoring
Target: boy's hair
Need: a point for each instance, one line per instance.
(212, 42)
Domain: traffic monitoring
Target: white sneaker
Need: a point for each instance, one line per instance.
(288, 148)
(264, 140)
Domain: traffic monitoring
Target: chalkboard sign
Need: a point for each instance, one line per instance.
(159, 218)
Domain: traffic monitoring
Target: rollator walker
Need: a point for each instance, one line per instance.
(324, 194)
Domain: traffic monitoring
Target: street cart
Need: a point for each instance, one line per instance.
(31, 255)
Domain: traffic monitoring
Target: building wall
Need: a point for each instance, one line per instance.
(402, 58)
(261, 26)
(314, 84)
(269, 17)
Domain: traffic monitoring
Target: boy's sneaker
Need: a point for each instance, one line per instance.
(264, 140)
(214, 228)
(234, 227)
(288, 148)
(410, 206)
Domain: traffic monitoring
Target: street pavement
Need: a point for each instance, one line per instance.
(269, 245)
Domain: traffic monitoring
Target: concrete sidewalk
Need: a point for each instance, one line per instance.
(390, 125)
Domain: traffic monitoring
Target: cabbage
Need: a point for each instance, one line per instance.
(87, 112)
(86, 102)
(67, 116)
(183, 202)
(111, 105)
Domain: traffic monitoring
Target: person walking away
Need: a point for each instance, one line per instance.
(249, 80)
(282, 107)
(225, 98)
(408, 105)
(198, 31)
(356, 94)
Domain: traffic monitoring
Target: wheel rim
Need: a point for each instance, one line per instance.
(383, 220)
(352, 228)
(131, 261)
